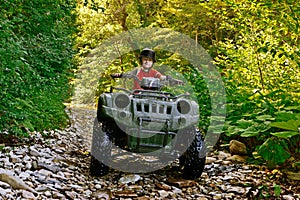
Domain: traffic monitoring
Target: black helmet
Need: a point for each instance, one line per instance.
(149, 53)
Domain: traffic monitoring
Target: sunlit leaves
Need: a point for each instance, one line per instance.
(258, 56)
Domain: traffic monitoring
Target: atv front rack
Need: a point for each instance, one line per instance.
(141, 143)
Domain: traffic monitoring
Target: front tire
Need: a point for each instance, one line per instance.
(193, 160)
(101, 148)
(98, 168)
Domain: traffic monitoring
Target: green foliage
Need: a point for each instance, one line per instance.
(274, 151)
(267, 192)
(255, 44)
(277, 190)
(35, 64)
(260, 60)
(275, 135)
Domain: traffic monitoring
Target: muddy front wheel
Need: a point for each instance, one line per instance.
(98, 168)
(193, 160)
(101, 149)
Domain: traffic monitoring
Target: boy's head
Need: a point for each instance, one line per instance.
(147, 58)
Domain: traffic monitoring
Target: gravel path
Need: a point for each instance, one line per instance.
(54, 165)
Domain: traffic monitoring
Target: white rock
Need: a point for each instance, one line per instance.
(45, 172)
(98, 186)
(24, 175)
(288, 197)
(131, 178)
(41, 188)
(72, 195)
(176, 190)
(28, 195)
(163, 193)
(210, 160)
(34, 152)
(222, 155)
(237, 189)
(48, 194)
(2, 192)
(28, 165)
(57, 195)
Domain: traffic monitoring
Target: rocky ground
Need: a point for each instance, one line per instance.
(54, 165)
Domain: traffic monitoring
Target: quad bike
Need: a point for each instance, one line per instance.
(148, 120)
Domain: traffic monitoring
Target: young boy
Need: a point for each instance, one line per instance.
(147, 59)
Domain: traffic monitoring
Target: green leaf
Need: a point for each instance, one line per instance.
(291, 125)
(233, 130)
(242, 123)
(273, 151)
(292, 108)
(285, 134)
(255, 129)
(285, 116)
(265, 118)
(277, 190)
(28, 125)
(25, 103)
(249, 133)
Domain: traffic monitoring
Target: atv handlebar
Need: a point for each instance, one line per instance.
(125, 75)
(173, 81)
(117, 75)
(168, 81)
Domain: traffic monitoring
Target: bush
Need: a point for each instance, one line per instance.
(35, 64)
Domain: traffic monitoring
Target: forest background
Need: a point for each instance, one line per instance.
(254, 44)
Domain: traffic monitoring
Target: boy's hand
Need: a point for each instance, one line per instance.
(177, 82)
(173, 81)
(117, 75)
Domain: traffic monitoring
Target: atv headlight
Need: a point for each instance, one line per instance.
(183, 107)
(122, 100)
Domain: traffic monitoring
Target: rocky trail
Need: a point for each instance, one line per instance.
(55, 165)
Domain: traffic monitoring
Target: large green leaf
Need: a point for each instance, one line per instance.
(285, 134)
(291, 125)
(242, 123)
(285, 116)
(274, 151)
(255, 129)
(292, 108)
(265, 118)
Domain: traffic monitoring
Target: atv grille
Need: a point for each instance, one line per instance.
(153, 108)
